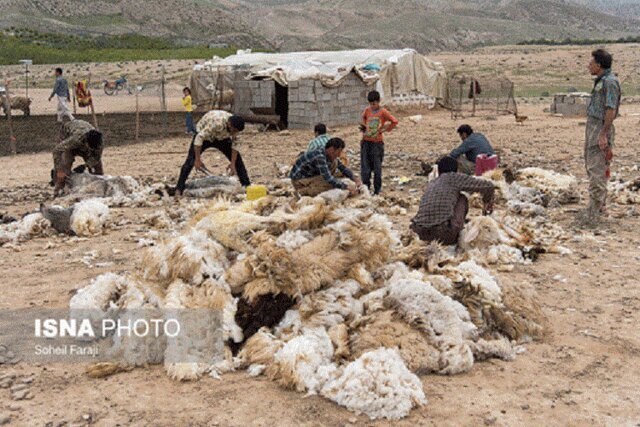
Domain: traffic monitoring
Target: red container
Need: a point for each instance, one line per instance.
(484, 163)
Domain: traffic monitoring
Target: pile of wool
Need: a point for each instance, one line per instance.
(625, 192)
(311, 297)
(26, 228)
(559, 187)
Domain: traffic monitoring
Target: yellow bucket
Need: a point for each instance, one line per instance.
(254, 192)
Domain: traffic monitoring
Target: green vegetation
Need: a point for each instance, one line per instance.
(50, 48)
(580, 42)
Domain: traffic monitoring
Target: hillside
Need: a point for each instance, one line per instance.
(325, 24)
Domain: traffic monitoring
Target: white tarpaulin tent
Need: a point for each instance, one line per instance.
(401, 71)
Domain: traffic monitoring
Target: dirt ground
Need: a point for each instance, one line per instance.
(586, 372)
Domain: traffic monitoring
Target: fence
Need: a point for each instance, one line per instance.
(469, 95)
(146, 105)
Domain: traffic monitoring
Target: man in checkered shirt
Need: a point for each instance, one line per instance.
(314, 171)
(443, 208)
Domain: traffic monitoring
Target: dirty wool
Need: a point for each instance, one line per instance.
(321, 296)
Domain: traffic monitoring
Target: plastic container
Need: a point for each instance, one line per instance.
(254, 192)
(485, 164)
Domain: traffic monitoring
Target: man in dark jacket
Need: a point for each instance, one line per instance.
(473, 144)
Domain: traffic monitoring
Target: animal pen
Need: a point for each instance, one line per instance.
(469, 95)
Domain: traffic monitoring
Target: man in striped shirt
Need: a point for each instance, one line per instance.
(321, 139)
(313, 172)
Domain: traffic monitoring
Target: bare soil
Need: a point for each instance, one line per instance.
(586, 372)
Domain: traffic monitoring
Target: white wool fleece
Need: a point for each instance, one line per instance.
(377, 384)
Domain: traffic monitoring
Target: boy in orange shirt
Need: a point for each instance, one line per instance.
(375, 122)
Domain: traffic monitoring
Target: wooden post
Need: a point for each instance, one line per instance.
(473, 96)
(137, 114)
(91, 105)
(164, 103)
(12, 138)
(73, 92)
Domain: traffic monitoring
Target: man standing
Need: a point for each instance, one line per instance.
(61, 91)
(473, 144)
(600, 132)
(314, 171)
(217, 129)
(80, 139)
(443, 208)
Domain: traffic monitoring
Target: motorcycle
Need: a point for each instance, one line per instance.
(111, 88)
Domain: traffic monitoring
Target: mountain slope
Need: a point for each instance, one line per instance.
(325, 24)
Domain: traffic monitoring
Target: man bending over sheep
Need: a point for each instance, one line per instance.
(216, 129)
(314, 171)
(79, 139)
(443, 208)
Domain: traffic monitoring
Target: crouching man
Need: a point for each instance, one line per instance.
(81, 139)
(217, 129)
(314, 171)
(443, 208)
(473, 144)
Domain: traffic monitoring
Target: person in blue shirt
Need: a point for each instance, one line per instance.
(473, 144)
(321, 138)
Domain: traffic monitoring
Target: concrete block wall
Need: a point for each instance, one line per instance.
(310, 102)
(572, 104)
(250, 94)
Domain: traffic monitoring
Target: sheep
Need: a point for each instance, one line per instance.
(21, 103)
(377, 384)
(89, 217)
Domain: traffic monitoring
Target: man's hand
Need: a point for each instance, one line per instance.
(68, 99)
(61, 177)
(50, 98)
(353, 190)
(358, 182)
(603, 140)
(200, 165)
(232, 169)
(488, 208)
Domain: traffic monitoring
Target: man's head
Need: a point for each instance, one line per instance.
(94, 139)
(334, 148)
(320, 129)
(236, 124)
(186, 91)
(58, 71)
(374, 99)
(447, 164)
(465, 131)
(601, 60)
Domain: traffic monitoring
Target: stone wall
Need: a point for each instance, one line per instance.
(310, 102)
(570, 104)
